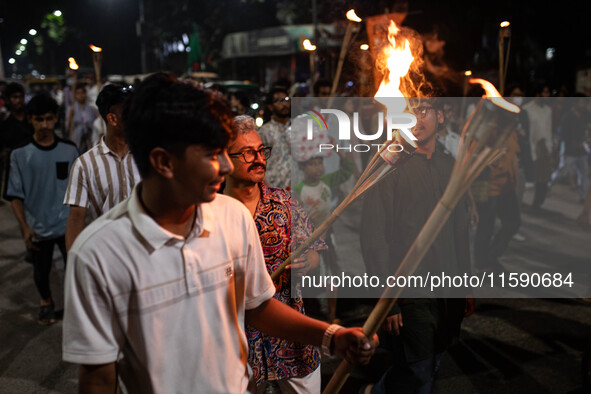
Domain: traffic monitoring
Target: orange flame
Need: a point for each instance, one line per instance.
(72, 64)
(494, 95)
(308, 46)
(399, 59)
(95, 48)
(352, 16)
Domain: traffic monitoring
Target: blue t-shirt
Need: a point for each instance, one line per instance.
(39, 176)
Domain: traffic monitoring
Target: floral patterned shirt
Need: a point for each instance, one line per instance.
(282, 225)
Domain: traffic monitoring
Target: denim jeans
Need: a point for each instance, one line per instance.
(578, 166)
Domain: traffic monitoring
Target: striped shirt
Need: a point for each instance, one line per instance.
(100, 179)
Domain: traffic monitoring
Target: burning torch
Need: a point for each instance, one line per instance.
(97, 60)
(353, 19)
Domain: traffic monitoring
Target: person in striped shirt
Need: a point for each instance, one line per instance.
(106, 174)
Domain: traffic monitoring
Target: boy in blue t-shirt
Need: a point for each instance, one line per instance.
(36, 186)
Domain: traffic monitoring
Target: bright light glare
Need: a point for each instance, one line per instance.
(11, 60)
(32, 32)
(364, 47)
(24, 41)
(259, 122)
(18, 52)
(57, 13)
(308, 46)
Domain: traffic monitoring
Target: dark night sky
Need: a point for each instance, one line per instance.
(466, 26)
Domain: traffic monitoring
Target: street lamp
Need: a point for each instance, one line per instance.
(32, 32)
(24, 41)
(57, 13)
(11, 60)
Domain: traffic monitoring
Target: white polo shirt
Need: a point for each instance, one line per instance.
(173, 307)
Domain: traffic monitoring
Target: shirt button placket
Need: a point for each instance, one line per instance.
(190, 270)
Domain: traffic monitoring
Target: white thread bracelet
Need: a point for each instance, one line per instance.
(327, 338)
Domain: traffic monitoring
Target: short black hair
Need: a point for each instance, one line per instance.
(163, 112)
(321, 83)
(12, 88)
(242, 97)
(272, 93)
(110, 96)
(41, 104)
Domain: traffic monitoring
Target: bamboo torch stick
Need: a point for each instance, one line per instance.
(352, 18)
(70, 123)
(470, 162)
(311, 48)
(381, 164)
(97, 61)
(504, 32)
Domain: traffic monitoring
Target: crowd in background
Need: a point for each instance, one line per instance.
(550, 143)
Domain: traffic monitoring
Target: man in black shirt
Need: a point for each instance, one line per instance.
(15, 131)
(418, 330)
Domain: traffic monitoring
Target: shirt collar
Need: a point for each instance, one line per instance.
(157, 236)
(103, 148)
(267, 194)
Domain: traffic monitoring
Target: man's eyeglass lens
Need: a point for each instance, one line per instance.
(422, 112)
(250, 155)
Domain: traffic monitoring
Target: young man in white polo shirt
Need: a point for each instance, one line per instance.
(106, 174)
(169, 277)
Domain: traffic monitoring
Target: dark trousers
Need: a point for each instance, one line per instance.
(42, 260)
(404, 377)
(486, 247)
(540, 194)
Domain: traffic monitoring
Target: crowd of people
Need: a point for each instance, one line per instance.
(150, 194)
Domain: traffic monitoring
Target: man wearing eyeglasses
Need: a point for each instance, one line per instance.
(106, 174)
(279, 220)
(170, 277)
(274, 134)
(418, 330)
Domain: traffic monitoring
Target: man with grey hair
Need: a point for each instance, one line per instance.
(279, 219)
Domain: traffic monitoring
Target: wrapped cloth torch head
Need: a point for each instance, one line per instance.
(307, 135)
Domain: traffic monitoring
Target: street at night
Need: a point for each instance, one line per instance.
(295, 196)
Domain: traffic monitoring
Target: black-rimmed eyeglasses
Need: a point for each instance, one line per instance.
(282, 100)
(250, 155)
(421, 112)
